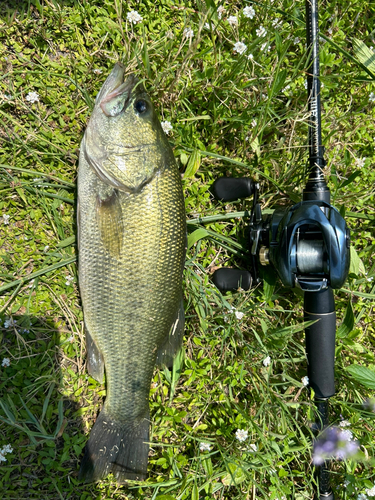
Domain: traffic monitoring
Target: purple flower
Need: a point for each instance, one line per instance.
(334, 443)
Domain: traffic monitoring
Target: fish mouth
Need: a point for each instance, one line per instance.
(116, 84)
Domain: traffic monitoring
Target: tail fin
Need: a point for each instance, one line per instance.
(119, 448)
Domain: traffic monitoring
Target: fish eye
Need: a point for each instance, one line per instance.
(141, 106)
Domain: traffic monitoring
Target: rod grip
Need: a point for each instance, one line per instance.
(229, 280)
(232, 188)
(320, 341)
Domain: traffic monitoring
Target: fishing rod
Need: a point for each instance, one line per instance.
(308, 245)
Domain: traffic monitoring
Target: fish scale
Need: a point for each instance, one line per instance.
(131, 256)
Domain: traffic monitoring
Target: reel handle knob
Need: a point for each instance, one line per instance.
(232, 188)
(229, 280)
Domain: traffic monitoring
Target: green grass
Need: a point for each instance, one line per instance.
(231, 116)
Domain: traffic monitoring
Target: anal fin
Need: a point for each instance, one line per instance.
(173, 343)
(95, 361)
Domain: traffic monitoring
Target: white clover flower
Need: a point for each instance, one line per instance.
(277, 23)
(371, 97)
(265, 47)
(253, 448)
(267, 361)
(134, 17)
(188, 33)
(220, 12)
(166, 126)
(362, 496)
(344, 423)
(261, 31)
(250, 56)
(6, 449)
(239, 315)
(6, 218)
(5, 362)
(37, 179)
(371, 492)
(232, 20)
(97, 71)
(241, 435)
(32, 97)
(360, 162)
(46, 248)
(239, 47)
(69, 280)
(305, 381)
(6, 97)
(249, 12)
(206, 26)
(205, 447)
(296, 40)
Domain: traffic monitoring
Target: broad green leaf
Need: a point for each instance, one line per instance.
(198, 234)
(364, 54)
(363, 375)
(356, 265)
(195, 493)
(255, 146)
(280, 80)
(207, 464)
(348, 323)
(235, 476)
(184, 158)
(193, 165)
(196, 118)
(279, 43)
(351, 178)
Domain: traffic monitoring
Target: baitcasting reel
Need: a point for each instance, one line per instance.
(306, 244)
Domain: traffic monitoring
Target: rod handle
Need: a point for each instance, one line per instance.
(320, 341)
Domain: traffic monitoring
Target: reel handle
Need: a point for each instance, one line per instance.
(232, 188)
(229, 280)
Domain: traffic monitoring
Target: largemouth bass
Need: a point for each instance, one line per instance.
(131, 237)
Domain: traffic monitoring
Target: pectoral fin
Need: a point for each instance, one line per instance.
(173, 343)
(110, 223)
(95, 361)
